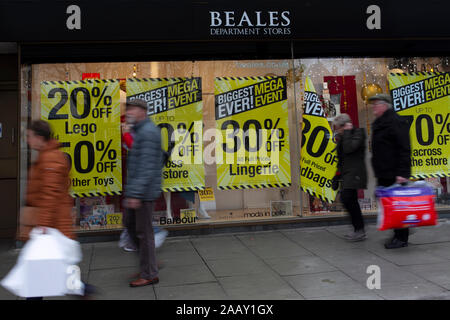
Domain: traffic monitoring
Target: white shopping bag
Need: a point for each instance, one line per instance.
(45, 266)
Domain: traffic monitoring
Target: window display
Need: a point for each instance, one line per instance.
(246, 140)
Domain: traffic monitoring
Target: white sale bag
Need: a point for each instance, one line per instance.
(45, 266)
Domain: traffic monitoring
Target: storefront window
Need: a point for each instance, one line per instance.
(215, 109)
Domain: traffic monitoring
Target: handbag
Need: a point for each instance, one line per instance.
(28, 220)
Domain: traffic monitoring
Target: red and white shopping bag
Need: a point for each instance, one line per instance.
(406, 206)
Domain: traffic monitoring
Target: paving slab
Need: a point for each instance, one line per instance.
(176, 245)
(183, 275)
(374, 238)
(317, 241)
(211, 248)
(441, 249)
(126, 293)
(410, 291)
(178, 258)
(202, 291)
(236, 267)
(109, 255)
(355, 263)
(272, 245)
(258, 287)
(362, 296)
(299, 265)
(410, 255)
(87, 251)
(433, 234)
(438, 274)
(325, 284)
(114, 277)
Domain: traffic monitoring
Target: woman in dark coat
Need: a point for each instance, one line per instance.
(351, 150)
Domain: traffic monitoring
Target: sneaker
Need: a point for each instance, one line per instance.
(356, 236)
(130, 249)
(395, 244)
(160, 237)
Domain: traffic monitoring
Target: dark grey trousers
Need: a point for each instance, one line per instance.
(146, 239)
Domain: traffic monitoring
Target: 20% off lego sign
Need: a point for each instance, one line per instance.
(85, 118)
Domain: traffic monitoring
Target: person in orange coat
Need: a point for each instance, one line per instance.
(49, 182)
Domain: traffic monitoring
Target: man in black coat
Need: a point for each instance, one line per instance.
(391, 153)
(351, 151)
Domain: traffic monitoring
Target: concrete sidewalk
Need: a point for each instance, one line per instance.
(306, 263)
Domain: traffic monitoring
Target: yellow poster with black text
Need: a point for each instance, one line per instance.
(175, 105)
(423, 99)
(318, 162)
(252, 146)
(85, 118)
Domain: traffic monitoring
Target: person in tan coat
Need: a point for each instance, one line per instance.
(49, 182)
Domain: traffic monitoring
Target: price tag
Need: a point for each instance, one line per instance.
(188, 216)
(114, 219)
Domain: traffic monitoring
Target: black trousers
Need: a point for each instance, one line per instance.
(349, 198)
(400, 234)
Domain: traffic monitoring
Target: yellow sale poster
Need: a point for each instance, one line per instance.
(318, 161)
(423, 99)
(85, 119)
(252, 147)
(175, 105)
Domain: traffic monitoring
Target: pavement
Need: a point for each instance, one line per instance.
(292, 264)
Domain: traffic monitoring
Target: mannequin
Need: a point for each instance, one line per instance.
(189, 196)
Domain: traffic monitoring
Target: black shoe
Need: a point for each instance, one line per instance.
(395, 244)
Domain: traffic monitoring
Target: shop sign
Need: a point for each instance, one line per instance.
(423, 100)
(252, 147)
(85, 119)
(219, 20)
(257, 214)
(318, 161)
(187, 219)
(175, 105)
(250, 23)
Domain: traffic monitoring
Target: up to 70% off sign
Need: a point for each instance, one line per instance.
(85, 120)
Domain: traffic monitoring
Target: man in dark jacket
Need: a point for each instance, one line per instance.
(144, 186)
(351, 150)
(391, 153)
